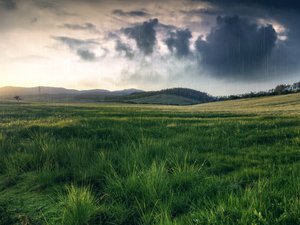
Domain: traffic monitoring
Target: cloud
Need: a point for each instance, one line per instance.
(202, 11)
(112, 35)
(179, 42)
(277, 4)
(150, 73)
(29, 58)
(284, 17)
(74, 43)
(54, 6)
(34, 20)
(236, 47)
(144, 35)
(86, 26)
(8, 4)
(133, 13)
(80, 46)
(124, 49)
(167, 27)
(285, 57)
(86, 54)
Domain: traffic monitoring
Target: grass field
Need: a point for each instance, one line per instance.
(165, 99)
(234, 162)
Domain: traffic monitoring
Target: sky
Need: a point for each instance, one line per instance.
(220, 47)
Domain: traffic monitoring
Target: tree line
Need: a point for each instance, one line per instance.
(280, 89)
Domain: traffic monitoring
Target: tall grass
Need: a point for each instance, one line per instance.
(148, 166)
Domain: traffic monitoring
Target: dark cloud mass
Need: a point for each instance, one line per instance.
(179, 42)
(236, 47)
(284, 57)
(134, 13)
(144, 35)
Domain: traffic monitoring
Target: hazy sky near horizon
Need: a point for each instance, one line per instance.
(209, 45)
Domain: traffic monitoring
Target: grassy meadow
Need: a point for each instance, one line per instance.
(222, 163)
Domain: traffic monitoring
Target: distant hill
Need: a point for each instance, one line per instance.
(23, 91)
(173, 96)
(12, 91)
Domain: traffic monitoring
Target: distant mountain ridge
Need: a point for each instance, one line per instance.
(42, 90)
(172, 96)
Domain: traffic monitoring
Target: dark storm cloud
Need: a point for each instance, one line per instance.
(133, 13)
(144, 35)
(287, 53)
(8, 4)
(273, 4)
(86, 26)
(283, 59)
(86, 54)
(124, 49)
(236, 47)
(179, 42)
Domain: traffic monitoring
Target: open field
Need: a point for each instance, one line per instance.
(233, 162)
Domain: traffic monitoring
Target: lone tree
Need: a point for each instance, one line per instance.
(18, 98)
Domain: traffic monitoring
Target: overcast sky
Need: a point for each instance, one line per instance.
(221, 47)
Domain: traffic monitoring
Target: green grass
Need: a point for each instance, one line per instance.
(165, 99)
(235, 162)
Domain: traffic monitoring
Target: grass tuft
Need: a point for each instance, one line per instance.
(79, 206)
